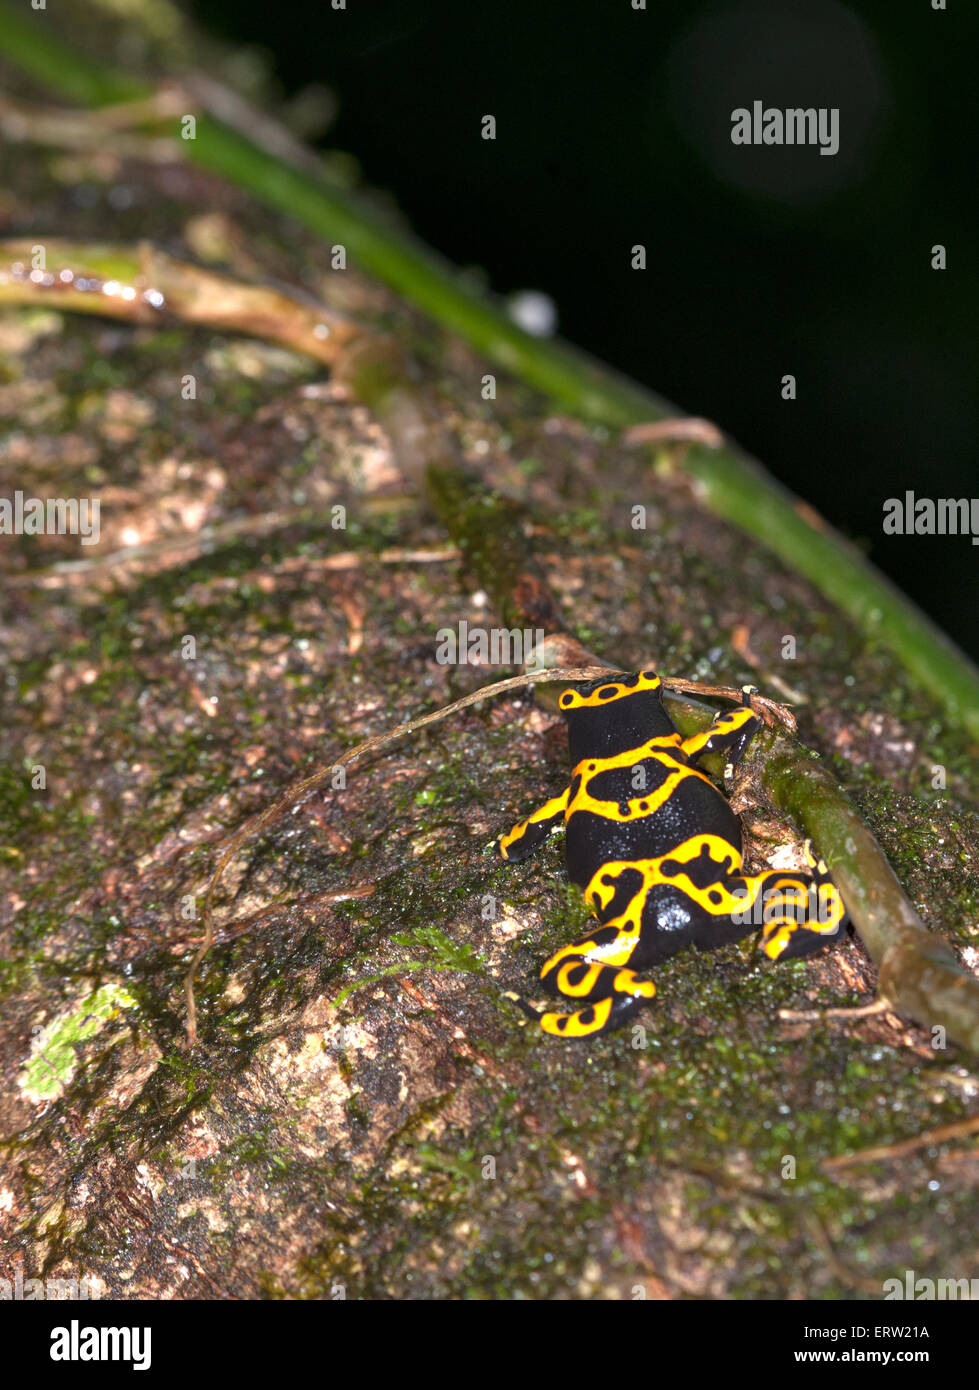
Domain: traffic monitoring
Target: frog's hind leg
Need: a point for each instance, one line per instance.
(610, 992)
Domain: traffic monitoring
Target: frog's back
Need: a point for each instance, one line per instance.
(608, 821)
(633, 795)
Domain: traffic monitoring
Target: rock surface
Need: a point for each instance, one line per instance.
(364, 1115)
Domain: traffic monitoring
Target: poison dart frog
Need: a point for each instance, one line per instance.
(657, 851)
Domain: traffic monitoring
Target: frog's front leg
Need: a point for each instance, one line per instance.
(526, 836)
(730, 733)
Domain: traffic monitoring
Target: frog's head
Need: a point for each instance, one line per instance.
(613, 714)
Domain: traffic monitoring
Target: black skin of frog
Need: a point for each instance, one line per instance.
(657, 851)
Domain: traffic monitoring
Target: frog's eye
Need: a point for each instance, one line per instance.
(648, 675)
(567, 699)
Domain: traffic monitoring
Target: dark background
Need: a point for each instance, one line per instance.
(613, 128)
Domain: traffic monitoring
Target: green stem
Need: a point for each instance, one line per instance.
(730, 483)
(918, 971)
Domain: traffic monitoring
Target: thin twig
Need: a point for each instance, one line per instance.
(879, 1006)
(305, 787)
(960, 1129)
(686, 429)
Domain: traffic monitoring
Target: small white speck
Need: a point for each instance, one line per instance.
(534, 312)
